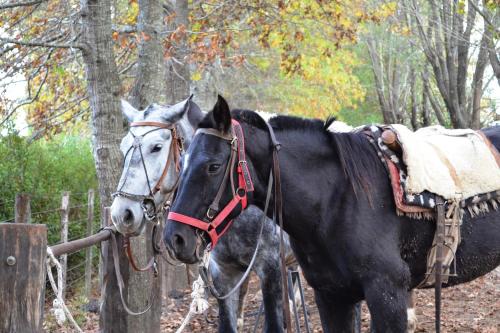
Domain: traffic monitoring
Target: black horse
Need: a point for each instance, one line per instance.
(338, 210)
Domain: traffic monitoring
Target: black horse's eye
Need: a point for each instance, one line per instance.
(156, 148)
(213, 168)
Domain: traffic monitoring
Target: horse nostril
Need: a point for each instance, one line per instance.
(178, 242)
(128, 216)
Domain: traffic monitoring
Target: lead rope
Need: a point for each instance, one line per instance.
(61, 311)
(199, 304)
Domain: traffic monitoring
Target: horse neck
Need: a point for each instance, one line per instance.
(310, 172)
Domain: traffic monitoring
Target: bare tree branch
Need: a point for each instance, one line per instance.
(29, 101)
(43, 44)
(21, 4)
(484, 15)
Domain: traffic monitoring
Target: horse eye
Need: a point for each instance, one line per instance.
(213, 168)
(156, 148)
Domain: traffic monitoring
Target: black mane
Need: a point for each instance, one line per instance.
(279, 122)
(357, 157)
(359, 160)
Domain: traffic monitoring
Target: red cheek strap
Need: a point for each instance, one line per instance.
(211, 228)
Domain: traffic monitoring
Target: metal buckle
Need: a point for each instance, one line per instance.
(210, 217)
(241, 192)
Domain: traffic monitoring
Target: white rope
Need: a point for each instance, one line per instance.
(199, 304)
(59, 308)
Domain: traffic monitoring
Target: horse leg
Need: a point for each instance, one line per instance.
(228, 308)
(387, 303)
(412, 316)
(270, 279)
(410, 312)
(241, 304)
(337, 315)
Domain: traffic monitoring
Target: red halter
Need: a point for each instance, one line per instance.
(216, 226)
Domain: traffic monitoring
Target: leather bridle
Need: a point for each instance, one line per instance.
(215, 223)
(176, 147)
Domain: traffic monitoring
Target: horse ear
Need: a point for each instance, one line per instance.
(194, 113)
(222, 115)
(129, 111)
(175, 112)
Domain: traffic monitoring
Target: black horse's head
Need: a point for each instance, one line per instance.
(212, 189)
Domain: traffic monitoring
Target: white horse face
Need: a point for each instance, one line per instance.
(146, 150)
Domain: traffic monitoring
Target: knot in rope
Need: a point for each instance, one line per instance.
(199, 303)
(200, 300)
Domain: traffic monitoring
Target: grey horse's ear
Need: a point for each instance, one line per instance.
(194, 113)
(186, 108)
(129, 111)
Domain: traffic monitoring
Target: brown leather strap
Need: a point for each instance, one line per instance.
(121, 284)
(173, 153)
(151, 123)
(278, 214)
(128, 251)
(228, 173)
(440, 227)
(238, 133)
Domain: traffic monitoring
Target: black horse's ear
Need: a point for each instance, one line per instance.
(222, 115)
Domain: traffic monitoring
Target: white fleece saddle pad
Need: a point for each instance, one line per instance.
(455, 164)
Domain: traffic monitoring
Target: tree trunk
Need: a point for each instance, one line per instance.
(414, 107)
(178, 88)
(149, 87)
(477, 83)
(205, 92)
(426, 120)
(104, 91)
(178, 74)
(149, 84)
(446, 46)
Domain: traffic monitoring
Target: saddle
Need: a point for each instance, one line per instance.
(437, 173)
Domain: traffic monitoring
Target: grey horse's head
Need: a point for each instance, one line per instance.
(146, 151)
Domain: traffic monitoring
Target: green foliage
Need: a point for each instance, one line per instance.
(44, 169)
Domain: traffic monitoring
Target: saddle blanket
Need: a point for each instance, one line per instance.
(455, 164)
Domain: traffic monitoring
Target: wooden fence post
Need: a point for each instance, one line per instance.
(64, 238)
(23, 249)
(88, 251)
(22, 208)
(113, 317)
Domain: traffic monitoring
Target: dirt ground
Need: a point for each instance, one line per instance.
(469, 308)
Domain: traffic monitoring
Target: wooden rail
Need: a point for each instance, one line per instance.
(82, 243)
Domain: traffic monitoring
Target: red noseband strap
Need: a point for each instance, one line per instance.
(216, 226)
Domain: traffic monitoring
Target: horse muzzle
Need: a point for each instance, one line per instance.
(127, 216)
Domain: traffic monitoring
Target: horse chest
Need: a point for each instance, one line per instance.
(322, 272)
